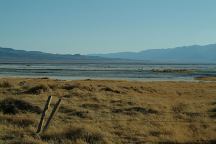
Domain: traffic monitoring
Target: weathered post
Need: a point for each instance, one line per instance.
(56, 106)
(44, 114)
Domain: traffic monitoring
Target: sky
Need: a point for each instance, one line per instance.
(105, 26)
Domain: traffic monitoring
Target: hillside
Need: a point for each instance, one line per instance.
(186, 54)
(9, 55)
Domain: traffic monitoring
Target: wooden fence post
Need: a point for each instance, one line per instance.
(44, 114)
(56, 106)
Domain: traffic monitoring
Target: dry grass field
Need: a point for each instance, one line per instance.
(106, 111)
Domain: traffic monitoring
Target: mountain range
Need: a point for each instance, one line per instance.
(9, 55)
(186, 54)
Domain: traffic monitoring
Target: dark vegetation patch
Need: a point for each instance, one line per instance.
(90, 88)
(133, 140)
(74, 112)
(179, 108)
(213, 113)
(182, 111)
(38, 89)
(178, 111)
(81, 114)
(108, 89)
(5, 84)
(53, 86)
(92, 106)
(173, 70)
(23, 84)
(159, 133)
(214, 103)
(20, 136)
(14, 106)
(140, 89)
(22, 121)
(10, 91)
(46, 78)
(78, 86)
(67, 96)
(81, 134)
(70, 86)
(213, 110)
(135, 110)
(136, 89)
(155, 133)
(149, 89)
(206, 78)
(192, 114)
(121, 102)
(80, 93)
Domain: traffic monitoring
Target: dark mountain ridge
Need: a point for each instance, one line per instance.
(9, 55)
(186, 54)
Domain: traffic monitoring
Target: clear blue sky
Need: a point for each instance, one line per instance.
(101, 26)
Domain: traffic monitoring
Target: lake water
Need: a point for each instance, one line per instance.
(129, 71)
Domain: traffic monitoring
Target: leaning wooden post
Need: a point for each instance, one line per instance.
(44, 114)
(56, 106)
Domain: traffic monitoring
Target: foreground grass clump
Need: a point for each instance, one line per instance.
(5, 84)
(213, 110)
(20, 121)
(38, 89)
(14, 106)
(77, 134)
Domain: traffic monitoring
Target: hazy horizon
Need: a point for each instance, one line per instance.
(186, 46)
(99, 26)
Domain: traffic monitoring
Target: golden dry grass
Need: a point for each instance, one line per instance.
(106, 111)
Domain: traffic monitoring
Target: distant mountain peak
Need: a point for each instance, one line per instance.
(184, 54)
(10, 55)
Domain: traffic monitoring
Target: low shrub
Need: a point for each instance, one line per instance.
(14, 106)
(134, 110)
(85, 134)
(22, 121)
(38, 89)
(6, 84)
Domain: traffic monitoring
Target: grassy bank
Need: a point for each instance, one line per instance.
(105, 111)
(206, 78)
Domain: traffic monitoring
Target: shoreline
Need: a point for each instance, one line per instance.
(196, 79)
(107, 78)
